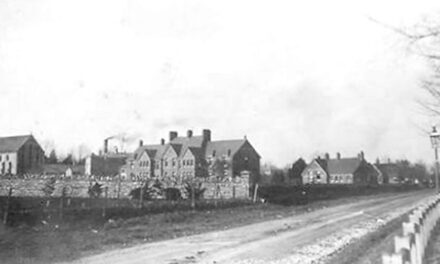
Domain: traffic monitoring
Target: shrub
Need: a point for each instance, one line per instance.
(198, 190)
(95, 191)
(172, 194)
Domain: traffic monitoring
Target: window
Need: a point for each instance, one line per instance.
(147, 163)
(174, 162)
(166, 163)
(213, 153)
(184, 162)
(7, 157)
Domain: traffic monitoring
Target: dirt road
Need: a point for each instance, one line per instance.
(264, 242)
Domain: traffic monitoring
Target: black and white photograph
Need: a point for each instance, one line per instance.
(219, 132)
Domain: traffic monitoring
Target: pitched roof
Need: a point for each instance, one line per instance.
(343, 165)
(193, 141)
(13, 144)
(153, 151)
(223, 147)
(197, 152)
(323, 163)
(177, 148)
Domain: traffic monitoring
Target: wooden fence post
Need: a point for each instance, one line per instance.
(104, 209)
(255, 192)
(193, 197)
(63, 194)
(141, 198)
(6, 212)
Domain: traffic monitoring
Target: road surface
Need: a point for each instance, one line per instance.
(262, 242)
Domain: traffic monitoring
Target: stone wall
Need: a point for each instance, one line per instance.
(227, 188)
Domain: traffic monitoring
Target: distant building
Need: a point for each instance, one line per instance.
(107, 164)
(20, 155)
(390, 172)
(192, 156)
(294, 174)
(380, 179)
(340, 171)
(315, 172)
(63, 170)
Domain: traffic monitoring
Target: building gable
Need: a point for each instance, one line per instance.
(314, 173)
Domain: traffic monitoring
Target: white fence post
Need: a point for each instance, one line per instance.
(410, 248)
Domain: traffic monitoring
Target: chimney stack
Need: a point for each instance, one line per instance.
(361, 155)
(338, 156)
(189, 133)
(162, 141)
(105, 146)
(173, 135)
(327, 156)
(206, 135)
(141, 143)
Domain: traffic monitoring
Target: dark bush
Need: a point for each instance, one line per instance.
(197, 188)
(172, 194)
(290, 195)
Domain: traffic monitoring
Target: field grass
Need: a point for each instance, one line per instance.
(51, 242)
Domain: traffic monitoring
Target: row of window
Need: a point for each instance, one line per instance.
(6, 157)
(341, 179)
(173, 163)
(144, 163)
(183, 174)
(3, 167)
(214, 153)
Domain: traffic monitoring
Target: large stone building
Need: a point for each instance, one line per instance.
(183, 158)
(20, 155)
(354, 170)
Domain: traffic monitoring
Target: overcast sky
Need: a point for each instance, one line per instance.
(297, 78)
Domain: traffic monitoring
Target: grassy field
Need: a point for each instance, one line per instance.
(50, 242)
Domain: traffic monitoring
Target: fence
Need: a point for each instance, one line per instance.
(227, 188)
(410, 247)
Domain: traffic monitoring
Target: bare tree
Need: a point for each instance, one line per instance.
(424, 40)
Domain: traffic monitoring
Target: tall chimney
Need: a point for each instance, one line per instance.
(162, 141)
(361, 155)
(206, 135)
(105, 146)
(141, 143)
(338, 155)
(327, 156)
(189, 133)
(173, 135)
